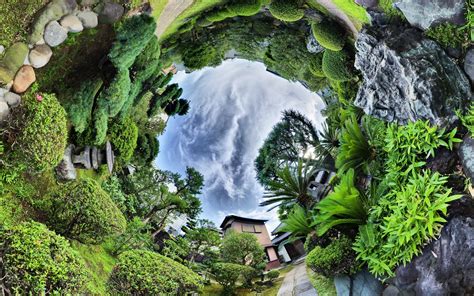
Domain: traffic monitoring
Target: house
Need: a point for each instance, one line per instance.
(287, 251)
(258, 228)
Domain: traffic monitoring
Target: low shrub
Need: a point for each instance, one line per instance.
(147, 149)
(329, 35)
(80, 110)
(227, 275)
(82, 210)
(316, 65)
(219, 15)
(244, 7)
(35, 260)
(43, 131)
(123, 136)
(337, 65)
(116, 94)
(147, 273)
(101, 125)
(286, 10)
(337, 258)
(273, 275)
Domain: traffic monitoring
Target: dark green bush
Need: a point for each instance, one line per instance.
(80, 111)
(227, 275)
(123, 135)
(147, 148)
(141, 272)
(337, 258)
(337, 65)
(286, 10)
(82, 210)
(198, 56)
(43, 132)
(244, 7)
(329, 35)
(101, 123)
(219, 15)
(316, 65)
(273, 274)
(35, 260)
(131, 38)
(114, 97)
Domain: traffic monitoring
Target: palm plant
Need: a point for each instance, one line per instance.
(291, 186)
(345, 205)
(298, 223)
(328, 141)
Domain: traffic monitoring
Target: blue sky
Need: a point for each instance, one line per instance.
(233, 108)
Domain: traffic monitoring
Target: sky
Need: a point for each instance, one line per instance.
(233, 108)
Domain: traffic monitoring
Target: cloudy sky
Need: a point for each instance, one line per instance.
(233, 108)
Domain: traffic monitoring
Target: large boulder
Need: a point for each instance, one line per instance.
(40, 55)
(55, 34)
(469, 64)
(408, 77)
(427, 13)
(89, 19)
(446, 265)
(15, 56)
(466, 154)
(24, 79)
(72, 23)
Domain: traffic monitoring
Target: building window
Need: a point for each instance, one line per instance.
(251, 228)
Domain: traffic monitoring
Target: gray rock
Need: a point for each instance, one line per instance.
(343, 284)
(88, 2)
(40, 55)
(3, 91)
(365, 284)
(427, 13)
(2, 49)
(55, 34)
(88, 18)
(469, 64)
(12, 99)
(391, 291)
(110, 13)
(313, 45)
(65, 170)
(446, 265)
(368, 3)
(4, 111)
(408, 77)
(466, 154)
(72, 23)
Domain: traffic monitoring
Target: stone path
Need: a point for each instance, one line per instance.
(171, 11)
(296, 283)
(334, 10)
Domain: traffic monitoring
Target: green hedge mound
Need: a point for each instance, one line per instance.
(337, 65)
(245, 7)
(286, 10)
(329, 35)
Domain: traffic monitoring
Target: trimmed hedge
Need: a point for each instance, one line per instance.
(316, 65)
(245, 7)
(337, 65)
(329, 35)
(286, 10)
(35, 260)
(83, 211)
(219, 15)
(227, 274)
(141, 272)
(123, 136)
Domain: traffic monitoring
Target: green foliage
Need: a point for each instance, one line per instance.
(273, 274)
(404, 221)
(35, 259)
(114, 189)
(244, 7)
(389, 9)
(337, 65)
(316, 65)
(286, 10)
(198, 56)
(449, 35)
(325, 286)
(298, 222)
(82, 210)
(354, 150)
(219, 15)
(468, 119)
(344, 205)
(101, 123)
(136, 236)
(336, 258)
(123, 135)
(242, 248)
(147, 273)
(147, 149)
(113, 98)
(329, 35)
(80, 110)
(131, 38)
(227, 275)
(43, 132)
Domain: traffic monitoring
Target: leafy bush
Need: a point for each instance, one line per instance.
(219, 15)
(114, 97)
(403, 222)
(286, 10)
(80, 111)
(198, 56)
(316, 65)
(123, 136)
(35, 260)
(298, 222)
(337, 65)
(273, 274)
(82, 210)
(147, 273)
(329, 35)
(43, 132)
(244, 7)
(131, 38)
(337, 258)
(147, 149)
(242, 248)
(354, 150)
(344, 205)
(227, 275)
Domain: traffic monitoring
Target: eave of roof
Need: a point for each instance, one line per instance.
(242, 219)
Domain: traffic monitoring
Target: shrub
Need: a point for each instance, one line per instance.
(101, 123)
(123, 136)
(244, 7)
(405, 220)
(354, 150)
(316, 65)
(337, 65)
(273, 274)
(219, 15)
(82, 210)
(286, 10)
(43, 132)
(298, 222)
(198, 56)
(147, 149)
(80, 111)
(147, 273)
(329, 35)
(35, 260)
(337, 258)
(130, 40)
(227, 274)
(114, 97)
(241, 248)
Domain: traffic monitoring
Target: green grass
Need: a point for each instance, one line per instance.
(323, 285)
(11, 211)
(355, 12)
(195, 9)
(16, 17)
(99, 264)
(158, 6)
(388, 9)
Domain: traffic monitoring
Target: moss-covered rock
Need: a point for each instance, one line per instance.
(245, 7)
(337, 65)
(15, 56)
(329, 34)
(286, 10)
(6, 75)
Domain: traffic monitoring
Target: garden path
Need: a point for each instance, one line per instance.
(337, 12)
(296, 283)
(171, 11)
